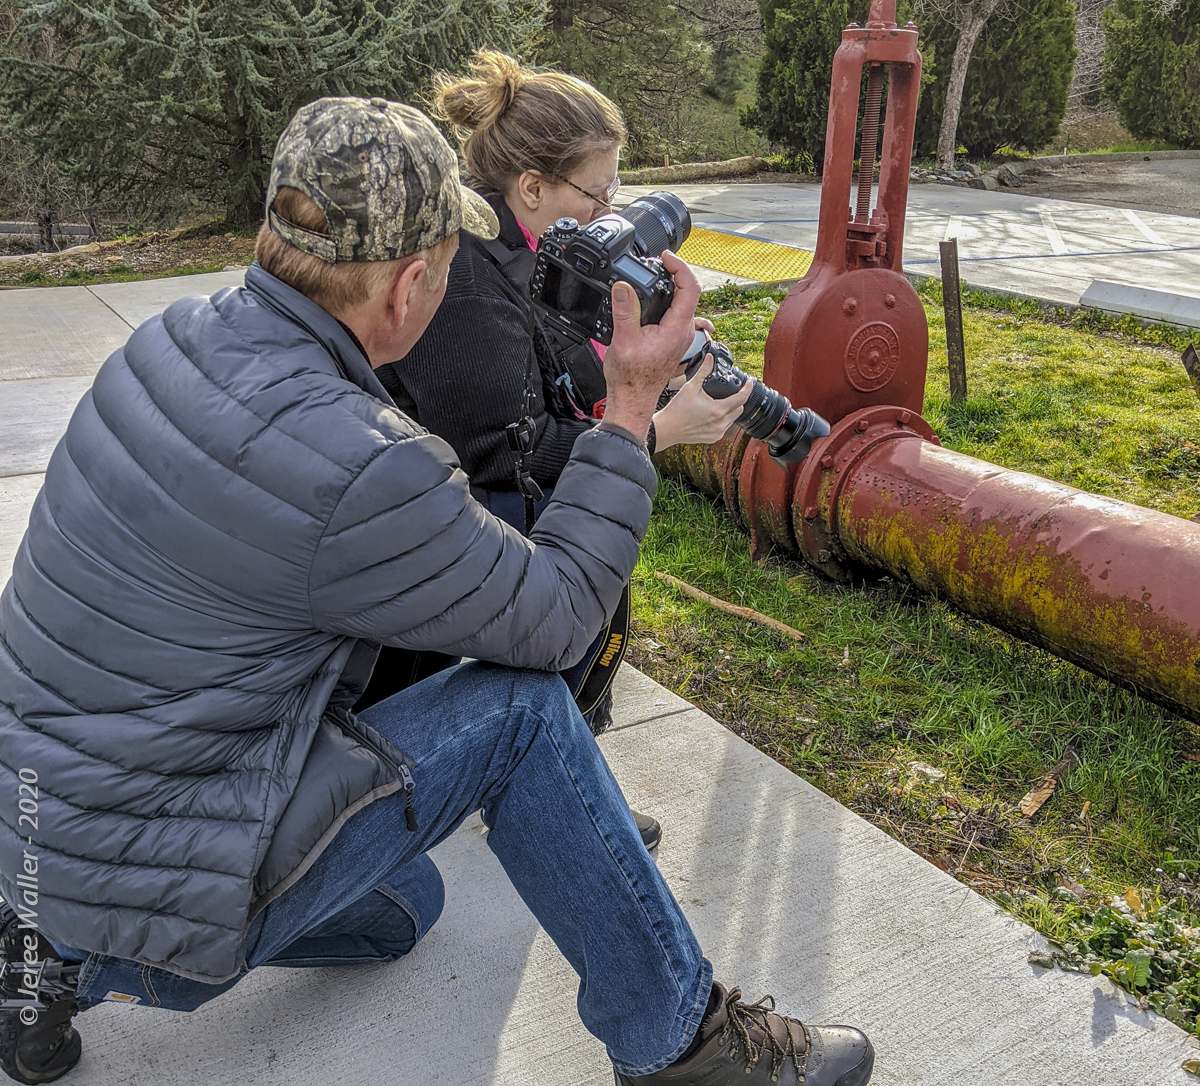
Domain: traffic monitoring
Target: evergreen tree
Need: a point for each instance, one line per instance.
(793, 79)
(1015, 92)
(648, 56)
(161, 103)
(1152, 68)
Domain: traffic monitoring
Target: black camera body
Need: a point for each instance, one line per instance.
(573, 276)
(576, 265)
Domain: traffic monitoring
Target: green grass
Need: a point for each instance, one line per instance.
(886, 676)
(118, 273)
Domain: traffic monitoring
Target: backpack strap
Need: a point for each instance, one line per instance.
(516, 264)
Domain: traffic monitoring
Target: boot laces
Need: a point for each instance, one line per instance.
(746, 1019)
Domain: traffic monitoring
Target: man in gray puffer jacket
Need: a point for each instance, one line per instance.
(237, 518)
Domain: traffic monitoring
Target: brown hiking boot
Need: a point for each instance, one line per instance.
(751, 1045)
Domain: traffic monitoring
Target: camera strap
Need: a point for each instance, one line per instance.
(522, 436)
(516, 266)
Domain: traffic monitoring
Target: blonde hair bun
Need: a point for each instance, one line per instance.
(512, 119)
(480, 99)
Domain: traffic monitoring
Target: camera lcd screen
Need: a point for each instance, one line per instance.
(571, 297)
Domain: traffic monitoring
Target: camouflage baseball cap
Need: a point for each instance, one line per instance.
(385, 177)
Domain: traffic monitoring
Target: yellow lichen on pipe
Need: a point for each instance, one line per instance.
(1110, 586)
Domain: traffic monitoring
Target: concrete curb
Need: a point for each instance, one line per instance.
(1001, 175)
(1100, 156)
(1046, 305)
(1050, 306)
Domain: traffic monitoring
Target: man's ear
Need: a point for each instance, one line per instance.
(531, 189)
(402, 291)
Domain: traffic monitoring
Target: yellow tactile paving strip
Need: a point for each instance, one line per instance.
(747, 257)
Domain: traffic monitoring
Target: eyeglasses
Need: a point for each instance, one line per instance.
(609, 193)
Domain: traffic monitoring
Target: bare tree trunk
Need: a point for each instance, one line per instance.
(46, 205)
(244, 199)
(977, 15)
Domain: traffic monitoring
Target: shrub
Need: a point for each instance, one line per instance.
(1017, 81)
(793, 80)
(1152, 68)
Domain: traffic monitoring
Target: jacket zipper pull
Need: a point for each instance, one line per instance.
(410, 816)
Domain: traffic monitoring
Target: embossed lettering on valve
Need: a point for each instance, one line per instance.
(872, 356)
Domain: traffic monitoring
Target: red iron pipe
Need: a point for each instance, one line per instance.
(1110, 586)
(1107, 585)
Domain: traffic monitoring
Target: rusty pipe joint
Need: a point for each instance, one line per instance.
(822, 480)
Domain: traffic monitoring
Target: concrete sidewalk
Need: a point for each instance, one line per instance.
(788, 892)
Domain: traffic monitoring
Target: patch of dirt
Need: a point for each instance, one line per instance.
(1170, 186)
(1088, 132)
(148, 255)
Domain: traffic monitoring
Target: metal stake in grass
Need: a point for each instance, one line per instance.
(1191, 363)
(956, 351)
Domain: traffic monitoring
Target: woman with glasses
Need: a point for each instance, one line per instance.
(539, 146)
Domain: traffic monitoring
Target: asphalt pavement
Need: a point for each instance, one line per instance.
(1044, 247)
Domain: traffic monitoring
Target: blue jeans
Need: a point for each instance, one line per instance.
(512, 744)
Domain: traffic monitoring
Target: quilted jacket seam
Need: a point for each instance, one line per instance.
(116, 571)
(312, 616)
(20, 665)
(381, 605)
(358, 571)
(124, 626)
(79, 655)
(143, 909)
(264, 425)
(151, 481)
(258, 353)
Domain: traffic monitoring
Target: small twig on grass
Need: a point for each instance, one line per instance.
(731, 608)
(966, 852)
(1032, 803)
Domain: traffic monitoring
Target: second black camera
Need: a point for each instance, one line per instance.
(577, 265)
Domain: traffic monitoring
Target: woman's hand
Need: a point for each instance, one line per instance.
(693, 417)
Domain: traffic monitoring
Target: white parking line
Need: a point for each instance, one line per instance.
(1057, 246)
(953, 228)
(1142, 228)
(747, 228)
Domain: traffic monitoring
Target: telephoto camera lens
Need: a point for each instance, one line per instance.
(767, 416)
(660, 221)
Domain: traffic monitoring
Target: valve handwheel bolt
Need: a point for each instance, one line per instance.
(826, 461)
(810, 512)
(862, 424)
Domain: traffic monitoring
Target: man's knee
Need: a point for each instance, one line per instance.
(511, 696)
(417, 888)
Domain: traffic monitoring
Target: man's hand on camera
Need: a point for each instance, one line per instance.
(693, 417)
(643, 358)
